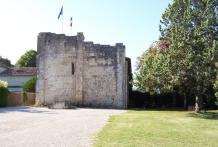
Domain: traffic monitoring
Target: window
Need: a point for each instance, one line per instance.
(73, 70)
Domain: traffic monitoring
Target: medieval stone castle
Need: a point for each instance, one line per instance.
(71, 71)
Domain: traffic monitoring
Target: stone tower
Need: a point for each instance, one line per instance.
(71, 71)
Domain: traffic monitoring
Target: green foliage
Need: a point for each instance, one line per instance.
(3, 93)
(3, 96)
(6, 62)
(191, 27)
(152, 74)
(30, 85)
(216, 82)
(28, 59)
(25, 97)
(186, 65)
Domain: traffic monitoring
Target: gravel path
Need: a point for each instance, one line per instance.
(42, 127)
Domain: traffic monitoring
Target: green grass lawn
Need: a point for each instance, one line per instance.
(160, 129)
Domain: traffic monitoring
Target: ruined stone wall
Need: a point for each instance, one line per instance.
(99, 78)
(104, 75)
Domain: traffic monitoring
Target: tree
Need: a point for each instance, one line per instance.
(6, 62)
(191, 27)
(152, 76)
(183, 59)
(28, 59)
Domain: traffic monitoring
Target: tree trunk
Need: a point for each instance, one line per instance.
(185, 101)
(198, 103)
(174, 100)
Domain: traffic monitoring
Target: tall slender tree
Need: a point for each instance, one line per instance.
(191, 26)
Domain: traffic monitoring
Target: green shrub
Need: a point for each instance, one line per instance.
(30, 85)
(3, 93)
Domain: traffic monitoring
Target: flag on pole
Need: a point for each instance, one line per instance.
(61, 12)
(71, 21)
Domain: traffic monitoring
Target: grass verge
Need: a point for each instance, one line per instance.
(160, 128)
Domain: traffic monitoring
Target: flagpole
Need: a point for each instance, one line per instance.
(71, 25)
(61, 13)
(62, 23)
(71, 32)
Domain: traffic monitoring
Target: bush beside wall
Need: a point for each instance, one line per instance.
(3, 93)
(30, 85)
(3, 96)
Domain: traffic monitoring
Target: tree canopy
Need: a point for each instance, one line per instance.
(186, 51)
(28, 59)
(6, 62)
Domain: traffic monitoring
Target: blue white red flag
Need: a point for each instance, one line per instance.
(71, 21)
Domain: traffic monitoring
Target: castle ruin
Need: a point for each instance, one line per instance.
(71, 71)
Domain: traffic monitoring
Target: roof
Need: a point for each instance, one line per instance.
(23, 71)
(18, 71)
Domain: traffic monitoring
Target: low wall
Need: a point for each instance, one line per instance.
(20, 99)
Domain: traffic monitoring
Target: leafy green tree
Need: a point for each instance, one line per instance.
(191, 27)
(157, 71)
(185, 55)
(151, 76)
(28, 59)
(6, 62)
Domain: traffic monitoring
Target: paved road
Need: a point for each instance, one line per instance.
(42, 127)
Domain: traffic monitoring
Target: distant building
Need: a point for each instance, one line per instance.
(16, 77)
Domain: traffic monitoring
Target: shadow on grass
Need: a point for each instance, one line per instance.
(157, 109)
(204, 115)
(27, 109)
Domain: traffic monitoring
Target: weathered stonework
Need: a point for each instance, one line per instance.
(100, 75)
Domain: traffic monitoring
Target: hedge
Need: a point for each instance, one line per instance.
(3, 96)
(30, 85)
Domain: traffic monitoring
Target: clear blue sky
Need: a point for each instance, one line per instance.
(133, 22)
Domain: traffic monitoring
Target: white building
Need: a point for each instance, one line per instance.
(16, 77)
